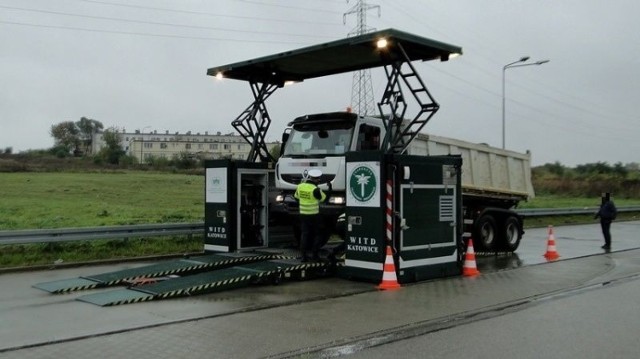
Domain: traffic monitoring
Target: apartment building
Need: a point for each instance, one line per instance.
(144, 146)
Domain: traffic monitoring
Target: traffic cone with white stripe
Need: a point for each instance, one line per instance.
(552, 252)
(469, 268)
(389, 279)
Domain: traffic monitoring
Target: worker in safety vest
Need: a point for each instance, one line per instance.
(309, 197)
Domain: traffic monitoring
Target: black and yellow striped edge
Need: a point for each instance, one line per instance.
(218, 285)
(68, 288)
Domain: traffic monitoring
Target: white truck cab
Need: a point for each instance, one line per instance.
(320, 141)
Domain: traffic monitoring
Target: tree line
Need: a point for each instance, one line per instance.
(590, 180)
(75, 140)
(589, 170)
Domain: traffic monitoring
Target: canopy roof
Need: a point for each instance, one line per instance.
(345, 55)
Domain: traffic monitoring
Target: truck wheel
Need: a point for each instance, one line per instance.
(485, 233)
(511, 233)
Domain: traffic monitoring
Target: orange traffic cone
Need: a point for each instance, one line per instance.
(551, 253)
(469, 268)
(389, 279)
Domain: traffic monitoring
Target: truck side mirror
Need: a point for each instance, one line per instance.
(285, 137)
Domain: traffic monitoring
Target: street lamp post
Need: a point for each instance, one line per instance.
(504, 70)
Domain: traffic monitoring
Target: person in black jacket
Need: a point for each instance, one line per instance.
(607, 213)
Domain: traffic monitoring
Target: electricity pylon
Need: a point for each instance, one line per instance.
(362, 89)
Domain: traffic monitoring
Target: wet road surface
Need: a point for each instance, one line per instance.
(571, 242)
(298, 317)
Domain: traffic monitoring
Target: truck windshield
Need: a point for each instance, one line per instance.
(310, 141)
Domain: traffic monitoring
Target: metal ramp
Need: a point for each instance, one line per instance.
(177, 267)
(272, 271)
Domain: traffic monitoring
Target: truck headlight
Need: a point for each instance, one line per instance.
(336, 200)
(279, 198)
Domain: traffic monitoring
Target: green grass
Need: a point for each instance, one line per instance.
(37, 200)
(13, 256)
(57, 200)
(34, 200)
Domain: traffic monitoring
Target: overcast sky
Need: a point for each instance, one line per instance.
(141, 64)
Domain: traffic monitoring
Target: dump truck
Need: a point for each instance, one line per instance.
(494, 180)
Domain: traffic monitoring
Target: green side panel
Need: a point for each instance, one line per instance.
(359, 274)
(429, 201)
(218, 209)
(366, 239)
(416, 274)
(116, 297)
(68, 285)
(217, 228)
(366, 216)
(428, 253)
(421, 211)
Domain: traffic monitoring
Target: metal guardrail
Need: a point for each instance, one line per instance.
(91, 233)
(543, 212)
(168, 229)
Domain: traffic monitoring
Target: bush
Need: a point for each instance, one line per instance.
(158, 163)
(587, 187)
(588, 180)
(11, 165)
(184, 160)
(127, 161)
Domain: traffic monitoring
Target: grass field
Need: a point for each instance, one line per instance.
(35, 200)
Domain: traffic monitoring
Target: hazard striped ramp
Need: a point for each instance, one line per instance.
(272, 271)
(177, 267)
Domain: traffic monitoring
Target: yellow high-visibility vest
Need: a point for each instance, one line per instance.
(308, 203)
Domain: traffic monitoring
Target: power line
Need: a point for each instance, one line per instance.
(151, 35)
(557, 100)
(548, 119)
(209, 13)
(154, 22)
(288, 6)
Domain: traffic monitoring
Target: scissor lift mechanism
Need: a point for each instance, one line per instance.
(269, 73)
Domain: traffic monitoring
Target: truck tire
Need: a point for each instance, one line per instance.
(511, 234)
(486, 233)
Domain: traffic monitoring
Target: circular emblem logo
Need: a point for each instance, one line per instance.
(362, 183)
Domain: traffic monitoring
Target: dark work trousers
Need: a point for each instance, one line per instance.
(309, 231)
(606, 231)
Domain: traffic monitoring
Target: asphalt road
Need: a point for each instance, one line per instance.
(319, 318)
(601, 322)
